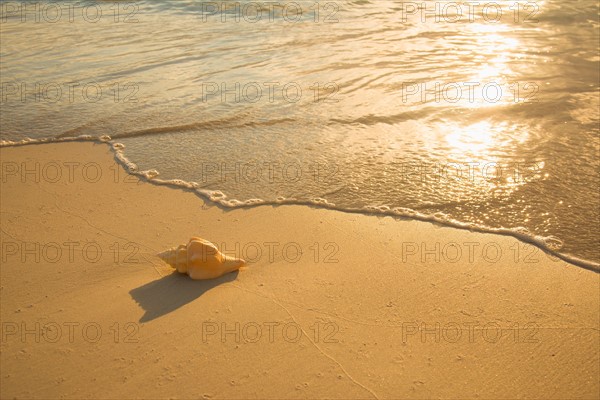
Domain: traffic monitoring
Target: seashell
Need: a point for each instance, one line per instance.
(200, 259)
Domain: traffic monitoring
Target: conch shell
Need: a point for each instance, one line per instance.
(200, 259)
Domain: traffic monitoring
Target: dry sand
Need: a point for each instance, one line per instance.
(89, 311)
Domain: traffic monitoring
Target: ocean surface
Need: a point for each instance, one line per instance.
(486, 115)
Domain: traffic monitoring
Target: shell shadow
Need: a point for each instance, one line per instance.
(171, 292)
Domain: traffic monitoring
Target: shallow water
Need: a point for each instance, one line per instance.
(476, 117)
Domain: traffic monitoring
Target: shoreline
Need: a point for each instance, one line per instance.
(150, 176)
(339, 305)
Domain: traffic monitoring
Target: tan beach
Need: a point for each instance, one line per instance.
(331, 305)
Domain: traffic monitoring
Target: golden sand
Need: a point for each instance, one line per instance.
(333, 305)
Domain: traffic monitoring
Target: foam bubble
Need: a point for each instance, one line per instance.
(27, 140)
(150, 174)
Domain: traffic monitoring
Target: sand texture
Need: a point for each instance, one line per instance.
(330, 304)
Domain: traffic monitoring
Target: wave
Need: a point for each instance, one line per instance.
(221, 123)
